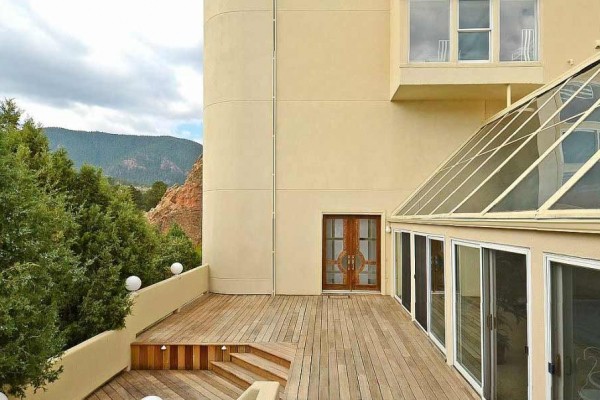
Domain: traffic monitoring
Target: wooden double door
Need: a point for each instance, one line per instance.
(351, 252)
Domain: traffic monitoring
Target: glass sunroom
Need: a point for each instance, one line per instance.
(538, 159)
(497, 255)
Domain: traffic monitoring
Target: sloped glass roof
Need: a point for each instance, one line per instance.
(540, 156)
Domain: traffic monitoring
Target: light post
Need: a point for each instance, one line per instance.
(176, 268)
(133, 283)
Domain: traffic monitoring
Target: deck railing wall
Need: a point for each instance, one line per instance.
(91, 363)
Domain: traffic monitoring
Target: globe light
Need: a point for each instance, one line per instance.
(133, 283)
(176, 268)
(151, 398)
(3, 396)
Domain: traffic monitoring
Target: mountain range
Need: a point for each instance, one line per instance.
(138, 160)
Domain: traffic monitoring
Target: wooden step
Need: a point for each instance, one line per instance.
(239, 376)
(261, 366)
(277, 354)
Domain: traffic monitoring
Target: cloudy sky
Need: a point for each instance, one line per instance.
(119, 66)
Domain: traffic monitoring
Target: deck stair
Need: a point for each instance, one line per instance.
(264, 362)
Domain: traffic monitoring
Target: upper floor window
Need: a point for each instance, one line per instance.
(429, 30)
(474, 30)
(518, 30)
(472, 39)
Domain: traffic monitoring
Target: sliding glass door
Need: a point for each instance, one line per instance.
(467, 309)
(406, 271)
(421, 294)
(402, 268)
(437, 294)
(491, 319)
(574, 359)
(506, 324)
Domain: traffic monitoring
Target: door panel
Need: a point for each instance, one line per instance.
(336, 252)
(575, 331)
(351, 252)
(437, 312)
(509, 359)
(467, 304)
(367, 254)
(398, 263)
(421, 280)
(406, 275)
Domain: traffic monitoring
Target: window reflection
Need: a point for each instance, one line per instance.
(518, 30)
(429, 30)
(575, 332)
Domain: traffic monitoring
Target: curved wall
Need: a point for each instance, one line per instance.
(237, 145)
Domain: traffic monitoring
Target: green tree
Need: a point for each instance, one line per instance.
(68, 241)
(176, 246)
(37, 271)
(154, 195)
(10, 115)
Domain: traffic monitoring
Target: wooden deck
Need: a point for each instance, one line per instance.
(347, 347)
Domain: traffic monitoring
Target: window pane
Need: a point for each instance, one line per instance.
(406, 271)
(466, 169)
(438, 308)
(526, 156)
(468, 310)
(429, 30)
(575, 326)
(398, 262)
(421, 280)
(544, 180)
(584, 195)
(472, 147)
(468, 185)
(518, 30)
(474, 14)
(473, 46)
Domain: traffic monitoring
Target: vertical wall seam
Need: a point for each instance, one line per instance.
(274, 150)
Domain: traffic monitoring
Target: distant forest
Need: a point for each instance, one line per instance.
(136, 160)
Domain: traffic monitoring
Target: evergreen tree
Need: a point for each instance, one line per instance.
(68, 241)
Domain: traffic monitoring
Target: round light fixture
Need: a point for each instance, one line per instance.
(133, 283)
(151, 398)
(176, 268)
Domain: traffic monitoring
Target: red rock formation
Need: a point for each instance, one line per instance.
(182, 205)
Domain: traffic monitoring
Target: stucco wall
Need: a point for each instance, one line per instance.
(91, 363)
(342, 146)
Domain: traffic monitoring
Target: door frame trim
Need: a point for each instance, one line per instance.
(428, 264)
(476, 386)
(549, 258)
(382, 267)
(412, 314)
(394, 273)
(481, 245)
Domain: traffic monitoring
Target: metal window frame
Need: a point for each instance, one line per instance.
(489, 31)
(549, 259)
(468, 162)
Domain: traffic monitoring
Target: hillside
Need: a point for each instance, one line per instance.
(139, 160)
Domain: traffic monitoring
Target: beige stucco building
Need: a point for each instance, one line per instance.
(323, 118)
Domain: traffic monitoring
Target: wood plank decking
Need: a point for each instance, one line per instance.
(348, 347)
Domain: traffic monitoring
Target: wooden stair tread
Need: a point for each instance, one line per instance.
(286, 354)
(247, 376)
(263, 364)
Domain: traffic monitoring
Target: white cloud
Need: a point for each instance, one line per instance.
(127, 66)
